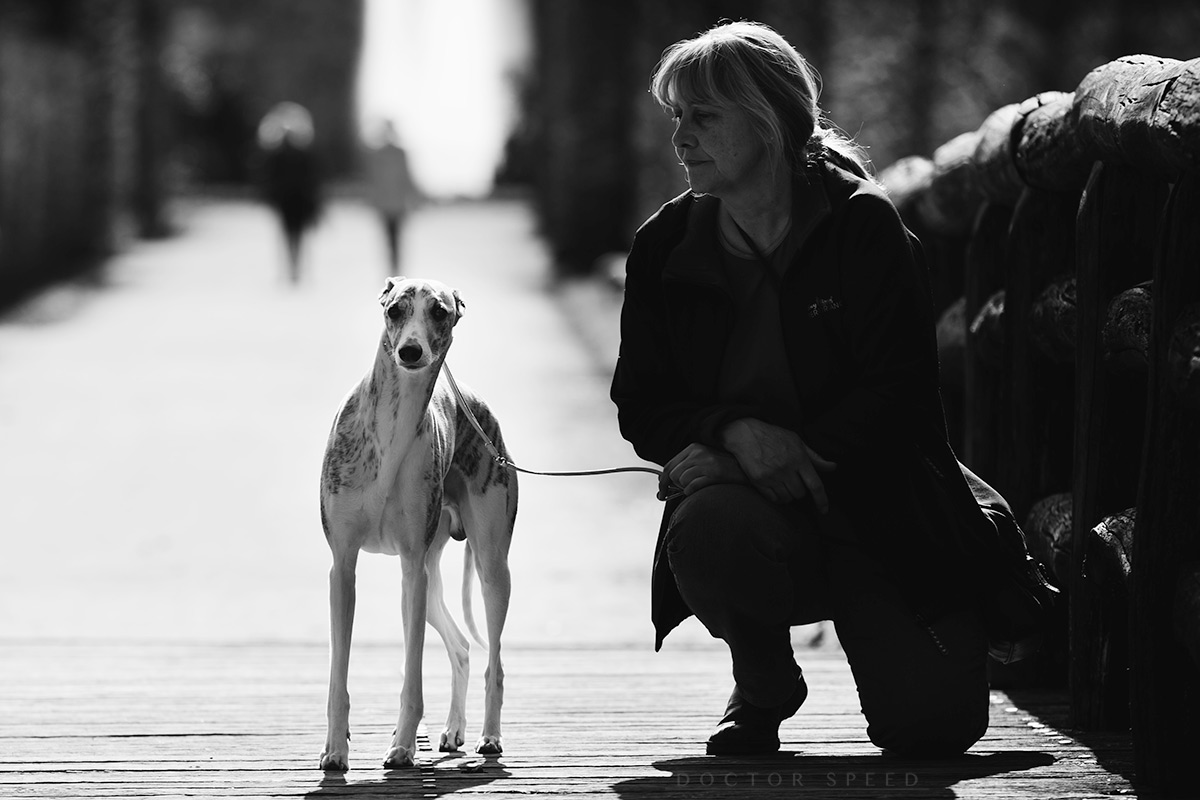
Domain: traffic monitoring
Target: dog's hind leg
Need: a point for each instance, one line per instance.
(336, 755)
(491, 521)
(457, 648)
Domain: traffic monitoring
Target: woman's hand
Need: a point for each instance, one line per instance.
(697, 466)
(777, 462)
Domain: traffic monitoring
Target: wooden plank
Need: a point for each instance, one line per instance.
(97, 720)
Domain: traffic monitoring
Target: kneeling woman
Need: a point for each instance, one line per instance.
(778, 359)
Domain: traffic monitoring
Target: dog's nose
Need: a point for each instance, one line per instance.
(410, 353)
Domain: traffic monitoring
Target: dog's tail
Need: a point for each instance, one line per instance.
(468, 586)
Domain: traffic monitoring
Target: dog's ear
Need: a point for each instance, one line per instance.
(459, 307)
(388, 285)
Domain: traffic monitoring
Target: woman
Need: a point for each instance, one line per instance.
(778, 359)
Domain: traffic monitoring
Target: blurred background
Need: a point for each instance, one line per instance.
(165, 393)
(121, 106)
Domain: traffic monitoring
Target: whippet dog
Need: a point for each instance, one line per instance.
(404, 472)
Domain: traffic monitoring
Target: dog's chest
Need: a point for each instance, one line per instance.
(386, 479)
(392, 515)
(376, 437)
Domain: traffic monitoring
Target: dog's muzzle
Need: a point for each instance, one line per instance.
(410, 355)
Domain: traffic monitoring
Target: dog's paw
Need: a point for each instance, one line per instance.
(335, 762)
(451, 742)
(400, 757)
(489, 745)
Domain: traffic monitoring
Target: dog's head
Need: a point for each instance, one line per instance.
(419, 318)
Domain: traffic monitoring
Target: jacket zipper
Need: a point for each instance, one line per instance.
(937, 641)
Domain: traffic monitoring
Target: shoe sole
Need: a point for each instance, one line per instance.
(738, 751)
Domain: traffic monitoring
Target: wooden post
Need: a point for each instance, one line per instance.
(1165, 691)
(1050, 155)
(953, 199)
(1100, 669)
(1115, 236)
(1140, 110)
(984, 277)
(995, 165)
(1037, 398)
(1049, 536)
(1187, 609)
(1038, 395)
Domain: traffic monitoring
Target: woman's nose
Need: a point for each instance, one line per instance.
(682, 137)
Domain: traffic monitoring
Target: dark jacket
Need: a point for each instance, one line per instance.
(859, 337)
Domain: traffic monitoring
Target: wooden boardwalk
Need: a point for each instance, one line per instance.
(129, 720)
(213, 549)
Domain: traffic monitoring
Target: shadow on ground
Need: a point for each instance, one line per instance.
(795, 775)
(1113, 750)
(435, 778)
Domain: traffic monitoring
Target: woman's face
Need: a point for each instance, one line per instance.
(718, 147)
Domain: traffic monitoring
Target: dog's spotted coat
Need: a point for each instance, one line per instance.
(404, 471)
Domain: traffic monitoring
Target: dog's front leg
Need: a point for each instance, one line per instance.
(336, 755)
(414, 606)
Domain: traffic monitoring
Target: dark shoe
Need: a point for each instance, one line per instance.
(1017, 613)
(1019, 603)
(748, 730)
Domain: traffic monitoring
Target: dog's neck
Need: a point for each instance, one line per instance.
(401, 398)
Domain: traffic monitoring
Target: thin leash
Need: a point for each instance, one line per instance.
(506, 463)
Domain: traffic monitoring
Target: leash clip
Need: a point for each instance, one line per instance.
(670, 493)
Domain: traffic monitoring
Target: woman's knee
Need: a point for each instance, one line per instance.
(717, 506)
(726, 545)
(710, 524)
(930, 729)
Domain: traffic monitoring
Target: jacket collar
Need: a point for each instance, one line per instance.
(697, 260)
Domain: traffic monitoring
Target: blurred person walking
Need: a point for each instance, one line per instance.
(392, 190)
(289, 175)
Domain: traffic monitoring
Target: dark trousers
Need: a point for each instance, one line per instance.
(750, 569)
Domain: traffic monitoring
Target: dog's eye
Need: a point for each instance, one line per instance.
(439, 313)
(393, 312)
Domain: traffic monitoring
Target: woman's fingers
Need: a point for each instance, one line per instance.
(822, 464)
(674, 469)
(670, 466)
(804, 480)
(815, 487)
(697, 474)
(697, 466)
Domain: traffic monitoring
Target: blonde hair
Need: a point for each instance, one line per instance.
(750, 66)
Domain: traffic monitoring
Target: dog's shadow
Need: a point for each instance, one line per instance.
(796, 775)
(431, 777)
